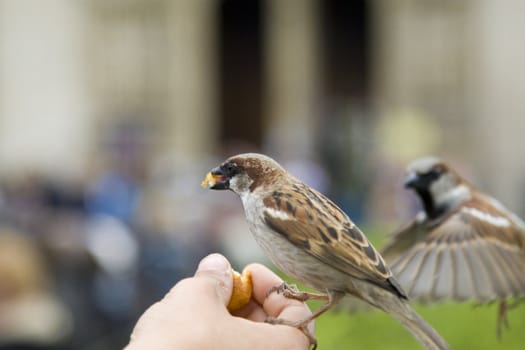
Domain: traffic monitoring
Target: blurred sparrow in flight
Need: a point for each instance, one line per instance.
(463, 245)
(311, 239)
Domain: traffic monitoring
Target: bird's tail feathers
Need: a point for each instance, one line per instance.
(416, 325)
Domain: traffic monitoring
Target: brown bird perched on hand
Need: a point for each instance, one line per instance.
(309, 238)
(462, 245)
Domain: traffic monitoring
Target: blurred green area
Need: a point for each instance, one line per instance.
(463, 325)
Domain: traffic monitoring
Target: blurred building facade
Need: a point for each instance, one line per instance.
(287, 77)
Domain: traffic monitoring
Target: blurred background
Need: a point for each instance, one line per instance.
(112, 112)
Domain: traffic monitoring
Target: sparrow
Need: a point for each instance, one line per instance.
(462, 245)
(312, 240)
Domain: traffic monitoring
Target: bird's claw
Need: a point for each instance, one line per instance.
(277, 289)
(291, 291)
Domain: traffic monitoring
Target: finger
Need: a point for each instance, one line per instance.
(263, 279)
(253, 312)
(275, 304)
(265, 336)
(212, 284)
(216, 270)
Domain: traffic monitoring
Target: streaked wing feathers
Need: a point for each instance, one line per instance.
(313, 222)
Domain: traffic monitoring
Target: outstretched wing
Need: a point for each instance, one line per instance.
(308, 219)
(407, 236)
(476, 253)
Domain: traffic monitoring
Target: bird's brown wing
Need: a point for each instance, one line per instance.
(475, 253)
(311, 221)
(406, 237)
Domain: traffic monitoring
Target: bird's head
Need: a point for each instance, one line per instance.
(439, 186)
(244, 173)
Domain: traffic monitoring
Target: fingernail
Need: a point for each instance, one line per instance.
(214, 263)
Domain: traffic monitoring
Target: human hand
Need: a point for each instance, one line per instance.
(193, 314)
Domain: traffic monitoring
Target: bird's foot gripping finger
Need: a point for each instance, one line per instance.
(280, 288)
(291, 291)
(300, 325)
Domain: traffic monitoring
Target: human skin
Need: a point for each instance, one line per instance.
(193, 314)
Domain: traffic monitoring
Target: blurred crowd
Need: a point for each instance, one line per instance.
(79, 262)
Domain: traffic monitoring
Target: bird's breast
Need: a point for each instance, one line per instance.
(289, 258)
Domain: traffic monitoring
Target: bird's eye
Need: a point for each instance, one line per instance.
(435, 173)
(439, 169)
(230, 169)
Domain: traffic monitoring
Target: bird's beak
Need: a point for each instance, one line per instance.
(216, 180)
(411, 180)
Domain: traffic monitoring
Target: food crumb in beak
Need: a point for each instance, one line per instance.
(209, 180)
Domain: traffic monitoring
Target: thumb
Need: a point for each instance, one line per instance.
(215, 270)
